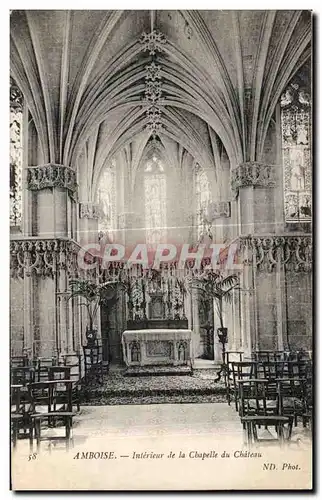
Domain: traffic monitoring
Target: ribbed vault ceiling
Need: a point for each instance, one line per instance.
(83, 77)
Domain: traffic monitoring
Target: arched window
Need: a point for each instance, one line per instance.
(202, 200)
(155, 202)
(106, 199)
(296, 149)
(16, 114)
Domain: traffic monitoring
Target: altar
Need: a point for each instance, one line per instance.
(157, 347)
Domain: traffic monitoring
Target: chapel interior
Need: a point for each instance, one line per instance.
(160, 127)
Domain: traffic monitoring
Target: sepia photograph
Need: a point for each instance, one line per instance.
(161, 254)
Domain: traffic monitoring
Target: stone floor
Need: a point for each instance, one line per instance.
(136, 442)
(215, 420)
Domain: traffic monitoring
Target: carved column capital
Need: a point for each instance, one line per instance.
(253, 173)
(89, 210)
(51, 176)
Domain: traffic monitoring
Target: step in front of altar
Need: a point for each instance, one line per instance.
(148, 370)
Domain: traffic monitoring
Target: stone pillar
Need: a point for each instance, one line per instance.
(55, 187)
(252, 183)
(89, 214)
(220, 213)
(281, 310)
(28, 323)
(62, 305)
(236, 320)
(247, 319)
(195, 323)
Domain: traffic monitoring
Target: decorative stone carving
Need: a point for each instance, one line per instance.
(43, 257)
(267, 252)
(253, 174)
(152, 97)
(153, 42)
(51, 176)
(218, 209)
(89, 211)
(137, 299)
(16, 122)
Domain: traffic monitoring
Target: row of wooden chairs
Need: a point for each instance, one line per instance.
(270, 392)
(49, 403)
(90, 366)
(44, 392)
(53, 380)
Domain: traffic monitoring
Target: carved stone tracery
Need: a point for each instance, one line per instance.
(269, 252)
(51, 176)
(89, 211)
(43, 258)
(253, 174)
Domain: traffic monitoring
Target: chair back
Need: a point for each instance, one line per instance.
(252, 394)
(41, 396)
(275, 369)
(42, 365)
(73, 361)
(268, 356)
(22, 375)
(243, 370)
(58, 372)
(19, 361)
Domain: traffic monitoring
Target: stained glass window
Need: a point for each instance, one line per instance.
(296, 146)
(155, 202)
(202, 200)
(16, 113)
(106, 199)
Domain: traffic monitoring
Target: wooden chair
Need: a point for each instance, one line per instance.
(44, 396)
(299, 368)
(20, 414)
(267, 356)
(62, 372)
(19, 361)
(252, 423)
(308, 397)
(242, 370)
(255, 411)
(73, 361)
(230, 357)
(93, 363)
(41, 367)
(275, 369)
(291, 398)
(22, 375)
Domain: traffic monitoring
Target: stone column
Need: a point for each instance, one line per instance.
(55, 190)
(220, 213)
(88, 222)
(195, 323)
(62, 304)
(28, 323)
(281, 310)
(247, 319)
(252, 183)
